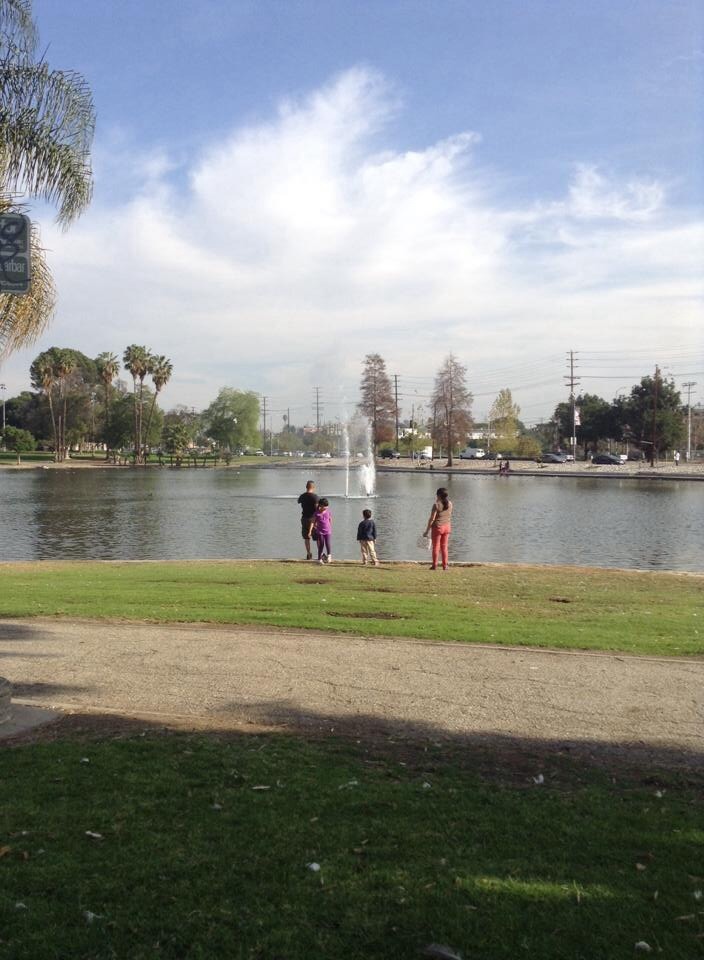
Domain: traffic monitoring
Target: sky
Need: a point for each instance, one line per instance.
(284, 187)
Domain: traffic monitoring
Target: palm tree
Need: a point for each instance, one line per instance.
(136, 360)
(160, 369)
(64, 367)
(46, 130)
(108, 368)
(43, 376)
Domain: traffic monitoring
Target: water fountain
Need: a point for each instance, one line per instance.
(366, 474)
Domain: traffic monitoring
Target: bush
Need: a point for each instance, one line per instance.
(17, 440)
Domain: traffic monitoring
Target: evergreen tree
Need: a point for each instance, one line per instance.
(377, 403)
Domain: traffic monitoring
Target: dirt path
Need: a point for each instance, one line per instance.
(216, 675)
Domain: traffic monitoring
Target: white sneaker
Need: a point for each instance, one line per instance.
(329, 560)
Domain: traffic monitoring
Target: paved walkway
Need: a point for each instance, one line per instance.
(218, 675)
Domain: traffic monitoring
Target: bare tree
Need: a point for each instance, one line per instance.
(377, 403)
(452, 404)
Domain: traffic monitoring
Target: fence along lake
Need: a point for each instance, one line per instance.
(139, 514)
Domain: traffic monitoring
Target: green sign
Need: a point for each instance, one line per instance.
(15, 272)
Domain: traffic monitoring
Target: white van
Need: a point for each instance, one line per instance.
(473, 453)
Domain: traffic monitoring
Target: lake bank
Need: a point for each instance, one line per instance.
(629, 471)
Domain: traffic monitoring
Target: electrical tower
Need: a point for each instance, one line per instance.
(653, 442)
(689, 385)
(317, 409)
(572, 382)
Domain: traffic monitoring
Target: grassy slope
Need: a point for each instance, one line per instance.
(649, 613)
(494, 869)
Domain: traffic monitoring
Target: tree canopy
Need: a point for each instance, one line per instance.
(232, 419)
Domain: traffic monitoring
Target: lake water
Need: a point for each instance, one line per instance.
(204, 513)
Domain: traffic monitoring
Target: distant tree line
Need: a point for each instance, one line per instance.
(80, 403)
(651, 419)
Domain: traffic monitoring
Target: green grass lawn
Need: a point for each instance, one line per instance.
(570, 608)
(204, 844)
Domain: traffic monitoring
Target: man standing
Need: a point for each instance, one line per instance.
(309, 503)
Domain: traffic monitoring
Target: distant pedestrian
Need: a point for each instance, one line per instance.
(308, 502)
(366, 538)
(439, 526)
(677, 458)
(323, 531)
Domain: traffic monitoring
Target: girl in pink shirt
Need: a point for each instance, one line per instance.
(323, 531)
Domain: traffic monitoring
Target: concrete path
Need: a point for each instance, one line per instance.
(214, 675)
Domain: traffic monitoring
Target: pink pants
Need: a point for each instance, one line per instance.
(440, 536)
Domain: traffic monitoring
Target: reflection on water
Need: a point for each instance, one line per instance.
(175, 514)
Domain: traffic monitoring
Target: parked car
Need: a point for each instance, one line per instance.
(552, 458)
(609, 459)
(473, 453)
(389, 454)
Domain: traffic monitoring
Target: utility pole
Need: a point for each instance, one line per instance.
(396, 406)
(413, 431)
(572, 381)
(655, 415)
(688, 385)
(264, 418)
(3, 388)
(317, 409)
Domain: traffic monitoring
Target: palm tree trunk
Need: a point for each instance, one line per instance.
(134, 415)
(53, 426)
(107, 420)
(141, 416)
(63, 432)
(149, 420)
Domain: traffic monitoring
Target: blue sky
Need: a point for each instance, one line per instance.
(284, 186)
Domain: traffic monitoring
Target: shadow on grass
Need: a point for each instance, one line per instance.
(201, 846)
(494, 749)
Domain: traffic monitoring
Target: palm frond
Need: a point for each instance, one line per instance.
(17, 28)
(47, 121)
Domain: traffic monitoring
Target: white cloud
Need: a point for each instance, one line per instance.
(592, 197)
(277, 258)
